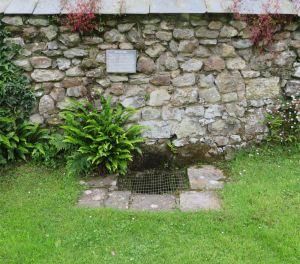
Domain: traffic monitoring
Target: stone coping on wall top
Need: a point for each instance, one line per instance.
(51, 7)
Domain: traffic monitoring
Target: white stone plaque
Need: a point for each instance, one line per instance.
(121, 61)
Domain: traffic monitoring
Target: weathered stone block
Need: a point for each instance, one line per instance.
(41, 62)
(184, 96)
(230, 82)
(292, 88)
(159, 97)
(150, 113)
(214, 63)
(46, 105)
(184, 80)
(78, 91)
(47, 75)
(146, 65)
(262, 88)
(192, 65)
(183, 33)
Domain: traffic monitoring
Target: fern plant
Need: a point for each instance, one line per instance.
(52, 150)
(17, 139)
(100, 137)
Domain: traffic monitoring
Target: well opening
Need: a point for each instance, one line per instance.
(154, 182)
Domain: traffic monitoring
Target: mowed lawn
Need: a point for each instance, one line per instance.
(260, 222)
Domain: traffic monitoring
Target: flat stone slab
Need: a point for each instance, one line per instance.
(196, 201)
(21, 7)
(205, 178)
(177, 6)
(93, 198)
(118, 200)
(144, 202)
(47, 7)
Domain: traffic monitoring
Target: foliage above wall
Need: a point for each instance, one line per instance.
(262, 27)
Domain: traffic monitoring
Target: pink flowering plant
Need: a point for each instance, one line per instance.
(283, 120)
(263, 27)
(81, 15)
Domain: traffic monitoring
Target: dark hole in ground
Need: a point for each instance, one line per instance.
(154, 181)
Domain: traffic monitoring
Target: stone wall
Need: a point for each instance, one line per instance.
(199, 81)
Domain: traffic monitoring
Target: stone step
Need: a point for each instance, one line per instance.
(124, 200)
(103, 193)
(206, 177)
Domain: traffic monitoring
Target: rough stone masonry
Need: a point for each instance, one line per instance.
(199, 79)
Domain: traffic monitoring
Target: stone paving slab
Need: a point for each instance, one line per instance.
(144, 202)
(118, 200)
(195, 201)
(100, 182)
(93, 198)
(205, 178)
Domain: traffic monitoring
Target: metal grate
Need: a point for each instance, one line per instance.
(154, 182)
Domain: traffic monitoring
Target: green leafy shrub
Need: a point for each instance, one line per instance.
(283, 121)
(16, 96)
(18, 139)
(100, 137)
(52, 150)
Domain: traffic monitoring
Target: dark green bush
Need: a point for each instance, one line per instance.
(100, 137)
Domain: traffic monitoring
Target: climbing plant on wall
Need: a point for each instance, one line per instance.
(16, 97)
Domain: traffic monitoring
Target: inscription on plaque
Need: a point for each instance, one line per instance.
(121, 61)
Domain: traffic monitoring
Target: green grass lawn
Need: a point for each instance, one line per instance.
(260, 222)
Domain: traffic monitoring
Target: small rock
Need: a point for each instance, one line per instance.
(47, 75)
(46, 105)
(159, 97)
(63, 64)
(125, 27)
(184, 80)
(49, 32)
(183, 33)
(13, 20)
(36, 119)
(161, 80)
(164, 35)
(75, 53)
(38, 22)
(192, 65)
(75, 72)
(228, 32)
(214, 63)
(146, 65)
(24, 64)
(41, 62)
(117, 89)
(78, 91)
(236, 64)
